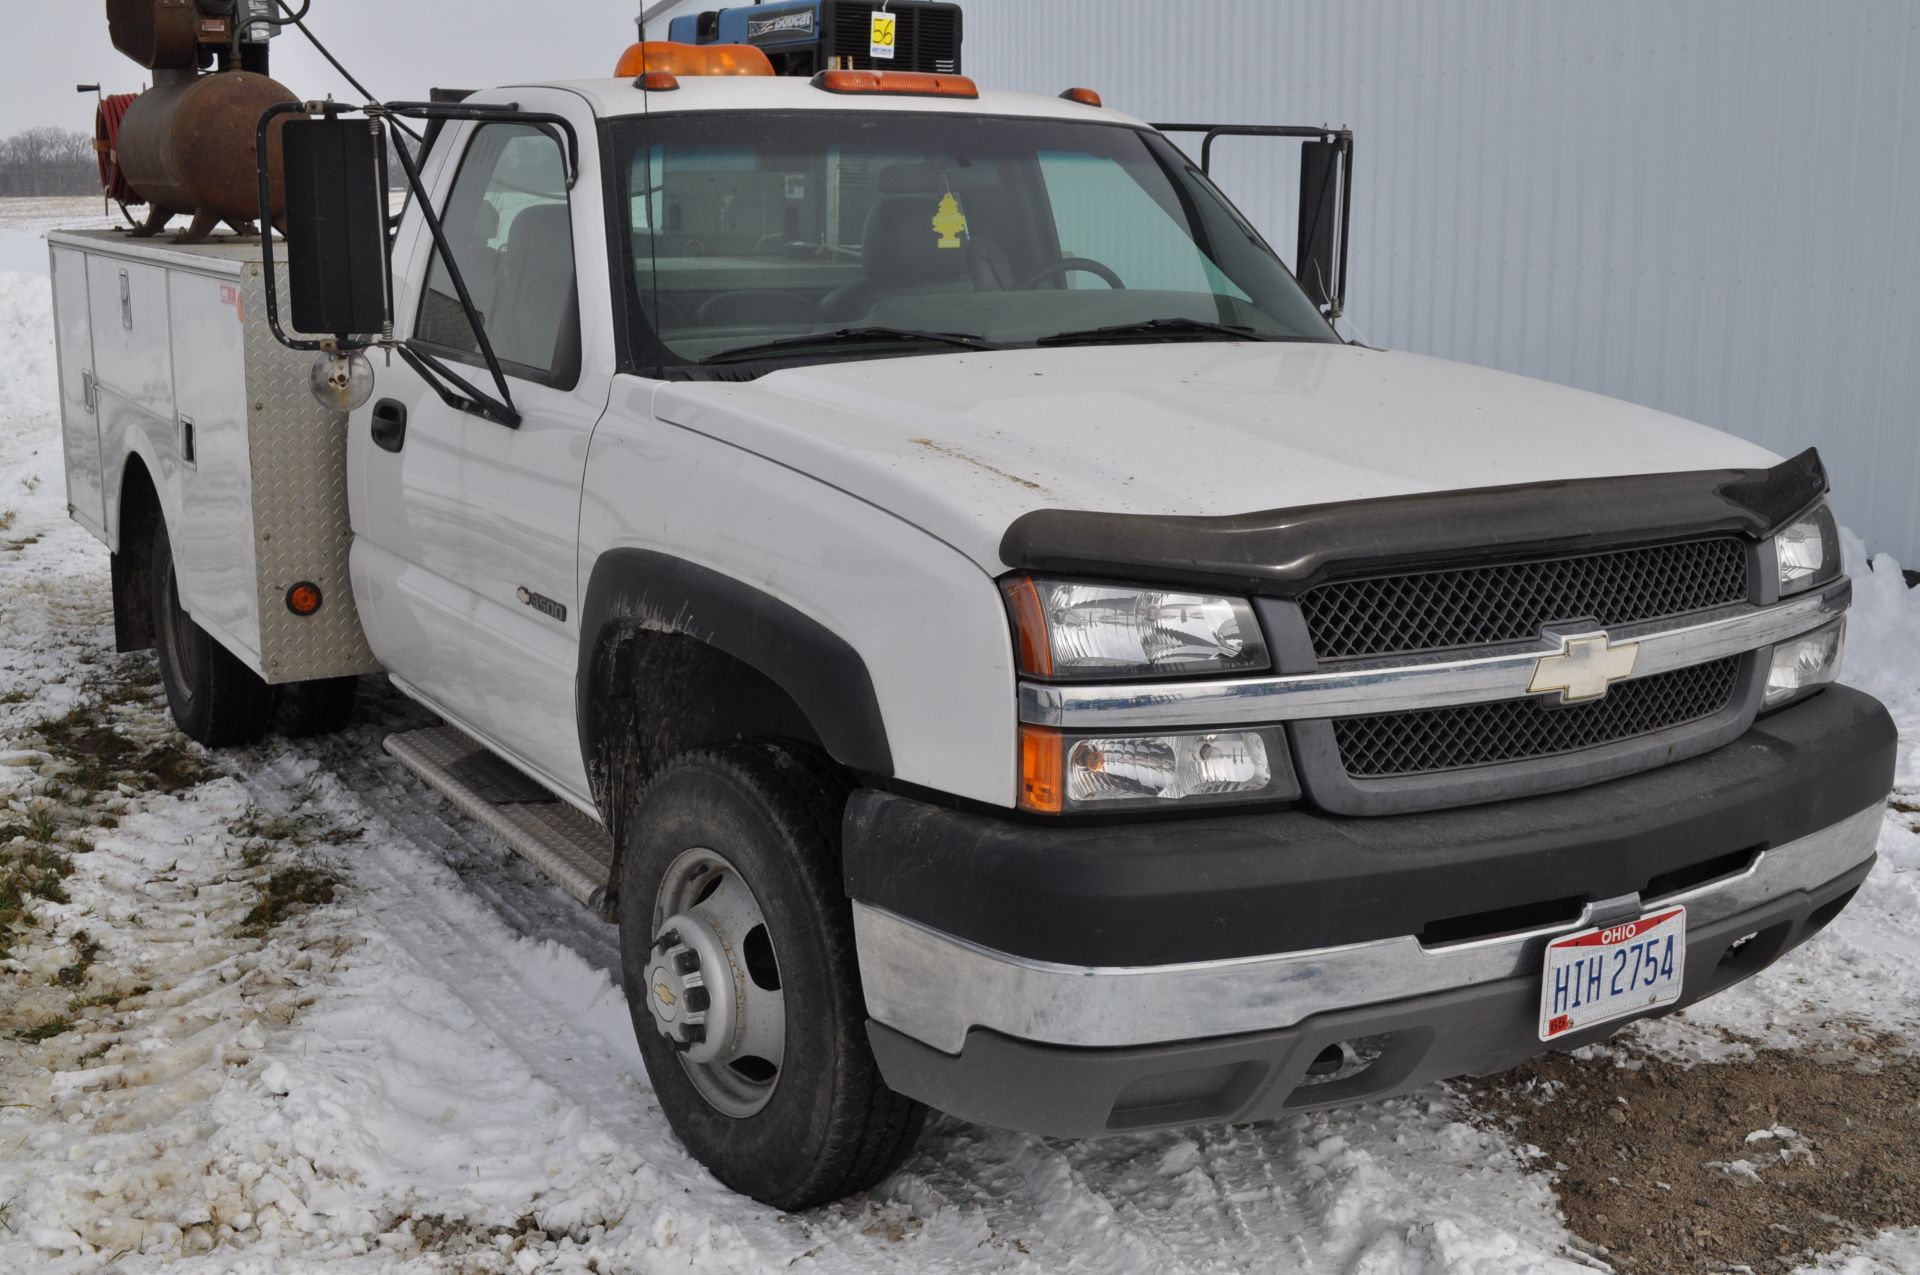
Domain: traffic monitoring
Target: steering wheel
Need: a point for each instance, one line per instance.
(1066, 264)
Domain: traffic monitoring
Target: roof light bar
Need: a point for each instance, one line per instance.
(897, 83)
(687, 59)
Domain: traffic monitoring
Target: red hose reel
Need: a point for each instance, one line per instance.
(106, 142)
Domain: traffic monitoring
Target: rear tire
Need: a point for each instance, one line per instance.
(309, 709)
(216, 700)
(817, 1123)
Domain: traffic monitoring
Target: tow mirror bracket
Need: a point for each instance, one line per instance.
(340, 246)
(1326, 201)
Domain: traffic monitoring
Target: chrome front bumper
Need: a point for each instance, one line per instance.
(935, 988)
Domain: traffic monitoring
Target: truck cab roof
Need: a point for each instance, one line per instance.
(616, 98)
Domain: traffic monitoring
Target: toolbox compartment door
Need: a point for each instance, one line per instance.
(79, 422)
(132, 333)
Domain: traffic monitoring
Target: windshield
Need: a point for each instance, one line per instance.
(813, 236)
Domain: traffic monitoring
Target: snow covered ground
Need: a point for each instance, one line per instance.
(436, 1072)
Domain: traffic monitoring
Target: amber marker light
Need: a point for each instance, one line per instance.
(1042, 770)
(1029, 627)
(659, 81)
(899, 83)
(304, 599)
(1086, 97)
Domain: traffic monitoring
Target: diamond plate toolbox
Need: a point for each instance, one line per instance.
(301, 525)
(250, 468)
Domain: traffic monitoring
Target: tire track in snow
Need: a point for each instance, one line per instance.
(1055, 1200)
(562, 1017)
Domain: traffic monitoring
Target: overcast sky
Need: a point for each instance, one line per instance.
(397, 48)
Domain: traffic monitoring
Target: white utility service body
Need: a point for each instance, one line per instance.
(849, 540)
(164, 356)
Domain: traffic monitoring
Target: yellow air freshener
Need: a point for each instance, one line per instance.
(949, 223)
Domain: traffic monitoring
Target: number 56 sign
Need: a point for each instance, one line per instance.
(885, 27)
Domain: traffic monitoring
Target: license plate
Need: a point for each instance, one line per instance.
(1613, 971)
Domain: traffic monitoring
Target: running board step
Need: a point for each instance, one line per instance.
(559, 840)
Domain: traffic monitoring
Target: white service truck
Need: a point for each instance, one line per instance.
(920, 562)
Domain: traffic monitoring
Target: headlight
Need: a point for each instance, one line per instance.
(1808, 551)
(1802, 663)
(1063, 774)
(1066, 630)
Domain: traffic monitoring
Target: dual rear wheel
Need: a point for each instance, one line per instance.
(215, 699)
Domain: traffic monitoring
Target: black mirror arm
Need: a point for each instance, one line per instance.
(454, 390)
(557, 126)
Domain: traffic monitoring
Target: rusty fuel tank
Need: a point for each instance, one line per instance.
(188, 146)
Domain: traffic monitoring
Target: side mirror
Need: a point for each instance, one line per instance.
(1320, 261)
(336, 226)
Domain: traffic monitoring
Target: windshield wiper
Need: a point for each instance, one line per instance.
(850, 336)
(1168, 328)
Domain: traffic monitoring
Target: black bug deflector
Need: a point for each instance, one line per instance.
(1283, 552)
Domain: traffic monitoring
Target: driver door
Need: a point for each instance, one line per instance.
(466, 529)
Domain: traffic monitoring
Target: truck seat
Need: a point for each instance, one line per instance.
(901, 256)
(533, 316)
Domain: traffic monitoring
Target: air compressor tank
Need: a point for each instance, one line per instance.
(188, 146)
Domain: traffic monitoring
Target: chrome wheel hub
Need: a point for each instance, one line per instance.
(684, 1009)
(712, 986)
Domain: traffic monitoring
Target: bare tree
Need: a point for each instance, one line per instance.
(48, 161)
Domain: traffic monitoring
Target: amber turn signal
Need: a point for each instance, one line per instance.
(1042, 770)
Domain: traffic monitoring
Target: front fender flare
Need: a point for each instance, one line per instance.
(818, 669)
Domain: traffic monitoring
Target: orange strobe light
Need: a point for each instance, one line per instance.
(655, 56)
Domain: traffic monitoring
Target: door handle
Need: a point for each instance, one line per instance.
(389, 425)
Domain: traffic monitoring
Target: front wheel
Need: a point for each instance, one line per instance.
(216, 700)
(737, 948)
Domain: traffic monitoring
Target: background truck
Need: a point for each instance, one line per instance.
(918, 560)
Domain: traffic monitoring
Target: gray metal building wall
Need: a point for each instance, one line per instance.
(1708, 206)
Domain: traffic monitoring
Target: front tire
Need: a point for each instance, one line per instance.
(732, 913)
(216, 700)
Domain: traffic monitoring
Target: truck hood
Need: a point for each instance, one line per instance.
(960, 445)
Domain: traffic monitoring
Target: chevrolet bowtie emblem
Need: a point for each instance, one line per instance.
(1585, 668)
(665, 994)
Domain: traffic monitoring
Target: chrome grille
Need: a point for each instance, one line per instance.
(1431, 740)
(1487, 606)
